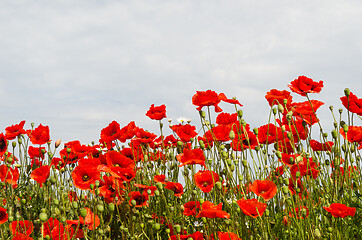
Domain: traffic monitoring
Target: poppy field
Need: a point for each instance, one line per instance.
(225, 180)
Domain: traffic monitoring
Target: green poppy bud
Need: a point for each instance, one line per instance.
(43, 217)
(347, 92)
(83, 212)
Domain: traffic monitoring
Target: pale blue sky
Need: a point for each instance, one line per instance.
(78, 65)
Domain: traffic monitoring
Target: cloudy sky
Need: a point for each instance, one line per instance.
(78, 65)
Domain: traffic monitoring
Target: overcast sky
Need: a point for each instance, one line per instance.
(78, 65)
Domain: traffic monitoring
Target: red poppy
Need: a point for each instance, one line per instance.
(205, 180)
(14, 130)
(9, 157)
(269, 133)
(160, 178)
(56, 229)
(252, 207)
(41, 174)
(226, 118)
(83, 176)
(177, 188)
(340, 210)
(184, 132)
(117, 159)
(303, 85)
(3, 144)
(191, 208)
(219, 133)
(9, 175)
(39, 135)
(3, 215)
(111, 132)
(244, 141)
(22, 226)
(317, 146)
(57, 162)
(194, 156)
(145, 188)
(354, 135)
(140, 198)
(296, 187)
(305, 167)
(127, 132)
(222, 97)
(195, 236)
(209, 210)
(306, 108)
(276, 97)
(110, 188)
(298, 212)
(266, 189)
(123, 174)
(142, 136)
(206, 98)
(352, 103)
(36, 152)
(228, 236)
(157, 113)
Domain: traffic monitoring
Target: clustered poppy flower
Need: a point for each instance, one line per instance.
(210, 210)
(252, 207)
(13, 131)
(205, 180)
(39, 135)
(194, 156)
(264, 188)
(211, 98)
(41, 174)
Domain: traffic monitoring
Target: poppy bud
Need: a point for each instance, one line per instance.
(279, 154)
(177, 228)
(346, 92)
(232, 135)
(340, 110)
(285, 189)
(275, 111)
(240, 113)
(202, 114)
(218, 185)
(345, 128)
(256, 131)
(159, 186)
(57, 143)
(100, 208)
(334, 134)
(280, 108)
(317, 233)
(83, 212)
(43, 217)
(14, 144)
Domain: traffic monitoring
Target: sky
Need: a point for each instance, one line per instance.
(76, 66)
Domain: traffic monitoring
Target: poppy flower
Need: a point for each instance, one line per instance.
(352, 103)
(21, 236)
(41, 174)
(145, 188)
(299, 212)
(266, 189)
(317, 146)
(160, 178)
(117, 159)
(195, 236)
(111, 132)
(22, 226)
(13, 131)
(56, 229)
(252, 207)
(123, 174)
(83, 176)
(39, 135)
(228, 236)
(340, 210)
(193, 156)
(269, 133)
(142, 137)
(354, 135)
(219, 133)
(184, 132)
(157, 113)
(36, 152)
(177, 188)
(3, 144)
(244, 141)
(127, 132)
(206, 98)
(275, 97)
(226, 118)
(206, 142)
(205, 180)
(305, 167)
(306, 108)
(303, 85)
(140, 198)
(3, 215)
(9, 175)
(191, 208)
(210, 210)
(223, 98)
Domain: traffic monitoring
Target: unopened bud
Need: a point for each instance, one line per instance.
(346, 92)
